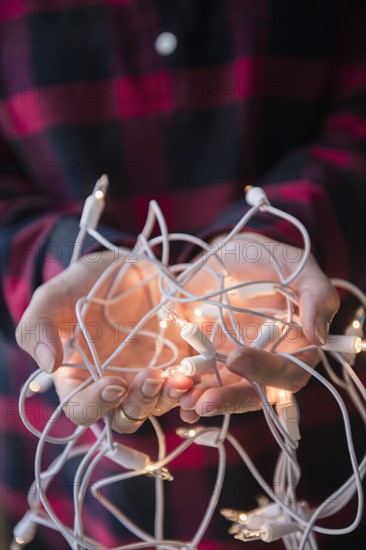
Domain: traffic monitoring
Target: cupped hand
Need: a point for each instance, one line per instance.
(318, 301)
(50, 321)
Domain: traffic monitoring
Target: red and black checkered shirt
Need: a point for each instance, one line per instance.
(266, 92)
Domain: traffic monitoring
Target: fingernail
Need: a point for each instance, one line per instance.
(151, 387)
(235, 359)
(321, 329)
(45, 357)
(112, 393)
(210, 409)
(175, 394)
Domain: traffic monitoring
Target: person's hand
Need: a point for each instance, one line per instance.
(50, 320)
(318, 303)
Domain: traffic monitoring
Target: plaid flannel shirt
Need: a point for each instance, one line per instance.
(270, 93)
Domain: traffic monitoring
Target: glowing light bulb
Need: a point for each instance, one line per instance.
(173, 371)
(175, 317)
(189, 366)
(101, 186)
(163, 323)
(356, 324)
(234, 515)
(190, 332)
(255, 196)
(162, 473)
(41, 383)
(186, 433)
(197, 312)
(344, 343)
(34, 386)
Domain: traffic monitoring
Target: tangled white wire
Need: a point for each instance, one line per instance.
(282, 516)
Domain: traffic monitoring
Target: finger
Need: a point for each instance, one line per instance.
(52, 306)
(173, 390)
(189, 416)
(189, 400)
(92, 403)
(235, 399)
(267, 369)
(319, 302)
(139, 402)
(39, 330)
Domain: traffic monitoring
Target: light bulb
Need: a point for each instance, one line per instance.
(197, 312)
(25, 530)
(284, 397)
(173, 371)
(161, 473)
(288, 414)
(40, 384)
(190, 366)
(234, 515)
(207, 438)
(34, 386)
(94, 204)
(190, 332)
(277, 396)
(344, 343)
(175, 317)
(255, 196)
(355, 328)
(101, 186)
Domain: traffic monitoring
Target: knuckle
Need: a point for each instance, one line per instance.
(334, 300)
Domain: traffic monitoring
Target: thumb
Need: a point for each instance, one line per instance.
(267, 369)
(319, 302)
(39, 330)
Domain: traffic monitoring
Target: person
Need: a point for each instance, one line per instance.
(187, 103)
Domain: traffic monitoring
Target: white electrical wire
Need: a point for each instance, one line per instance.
(171, 282)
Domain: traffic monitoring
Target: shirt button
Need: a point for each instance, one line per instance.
(165, 43)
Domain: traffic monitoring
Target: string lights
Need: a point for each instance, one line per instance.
(223, 304)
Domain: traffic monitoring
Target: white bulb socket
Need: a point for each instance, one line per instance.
(344, 344)
(256, 196)
(92, 211)
(274, 531)
(24, 531)
(131, 459)
(195, 365)
(40, 384)
(198, 341)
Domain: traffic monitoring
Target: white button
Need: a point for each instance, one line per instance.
(166, 43)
